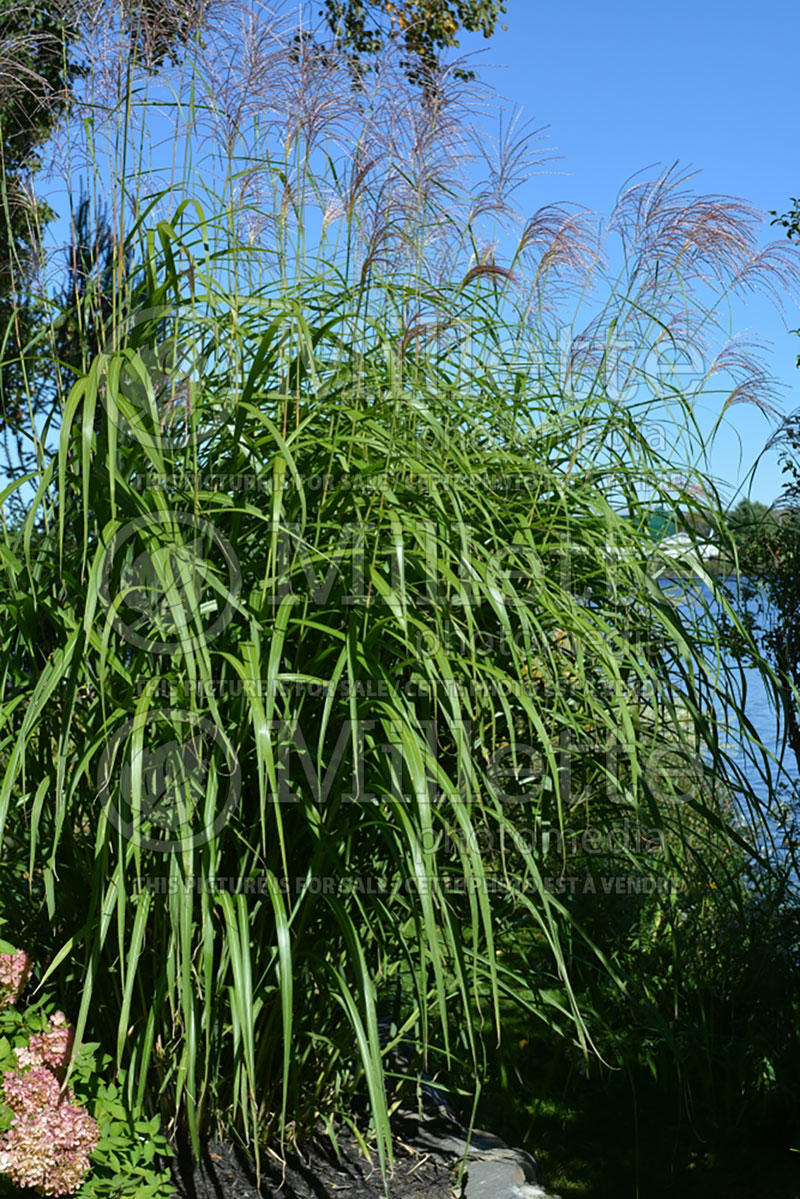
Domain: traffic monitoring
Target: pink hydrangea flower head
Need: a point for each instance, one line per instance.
(29, 1090)
(15, 970)
(50, 1048)
(51, 1137)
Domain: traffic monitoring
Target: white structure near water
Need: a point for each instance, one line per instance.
(679, 545)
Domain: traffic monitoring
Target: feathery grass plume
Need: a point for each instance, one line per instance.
(333, 601)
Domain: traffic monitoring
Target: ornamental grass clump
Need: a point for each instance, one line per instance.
(333, 599)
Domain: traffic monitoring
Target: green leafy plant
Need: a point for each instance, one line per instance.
(425, 27)
(132, 1148)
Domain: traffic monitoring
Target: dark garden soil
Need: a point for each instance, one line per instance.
(228, 1173)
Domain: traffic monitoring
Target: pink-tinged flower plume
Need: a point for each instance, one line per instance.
(51, 1048)
(51, 1136)
(15, 969)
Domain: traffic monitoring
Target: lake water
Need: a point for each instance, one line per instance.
(757, 706)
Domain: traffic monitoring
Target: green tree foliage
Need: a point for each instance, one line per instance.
(754, 528)
(778, 563)
(85, 297)
(41, 62)
(37, 76)
(790, 220)
(425, 27)
(160, 31)
(769, 544)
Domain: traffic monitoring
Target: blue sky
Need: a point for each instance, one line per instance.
(625, 86)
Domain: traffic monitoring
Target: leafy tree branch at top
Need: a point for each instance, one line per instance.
(41, 63)
(426, 28)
